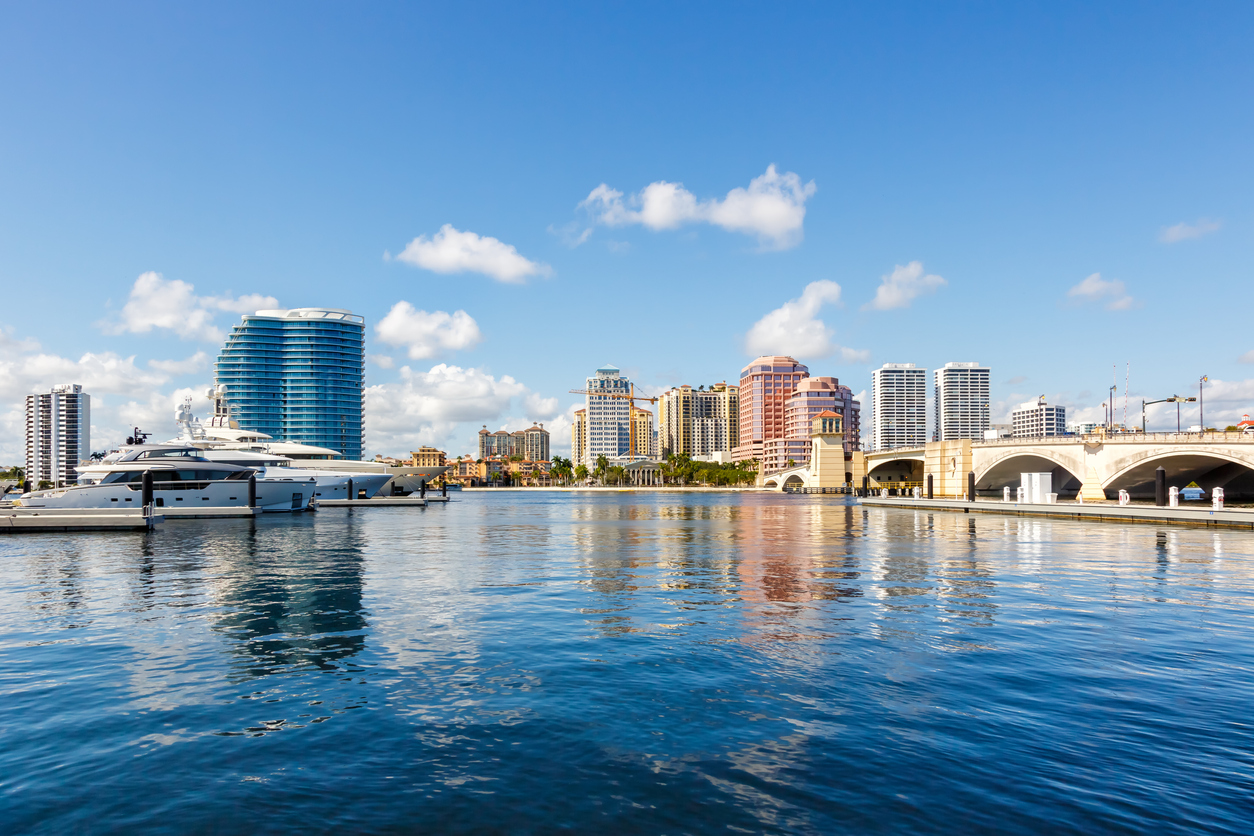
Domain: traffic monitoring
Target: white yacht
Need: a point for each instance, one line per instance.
(329, 484)
(221, 432)
(184, 483)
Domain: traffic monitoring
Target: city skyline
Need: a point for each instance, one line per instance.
(503, 225)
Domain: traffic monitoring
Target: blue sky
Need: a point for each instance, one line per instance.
(312, 153)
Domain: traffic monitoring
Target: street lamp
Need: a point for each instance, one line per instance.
(1201, 420)
(1176, 399)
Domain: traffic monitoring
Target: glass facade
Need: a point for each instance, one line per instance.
(298, 375)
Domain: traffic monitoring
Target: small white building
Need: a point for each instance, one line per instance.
(1039, 420)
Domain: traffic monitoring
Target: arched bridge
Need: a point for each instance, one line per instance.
(1095, 466)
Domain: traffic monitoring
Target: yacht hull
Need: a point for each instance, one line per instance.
(180, 500)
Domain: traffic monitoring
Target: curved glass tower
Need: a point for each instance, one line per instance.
(298, 375)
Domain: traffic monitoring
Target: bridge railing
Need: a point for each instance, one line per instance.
(1217, 437)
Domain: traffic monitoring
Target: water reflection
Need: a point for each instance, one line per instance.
(291, 598)
(651, 663)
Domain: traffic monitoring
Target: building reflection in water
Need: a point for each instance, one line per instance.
(290, 597)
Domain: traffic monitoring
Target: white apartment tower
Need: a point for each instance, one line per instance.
(898, 406)
(58, 434)
(1039, 420)
(962, 401)
(608, 412)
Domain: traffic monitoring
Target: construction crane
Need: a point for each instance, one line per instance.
(631, 398)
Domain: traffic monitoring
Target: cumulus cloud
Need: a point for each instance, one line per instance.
(172, 305)
(381, 360)
(772, 208)
(427, 335)
(902, 286)
(10, 342)
(174, 368)
(1184, 231)
(102, 375)
(446, 406)
(572, 234)
(453, 251)
(1096, 289)
(795, 329)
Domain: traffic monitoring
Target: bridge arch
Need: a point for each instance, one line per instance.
(898, 469)
(1005, 471)
(1209, 468)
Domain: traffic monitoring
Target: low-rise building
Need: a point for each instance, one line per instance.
(1039, 420)
(531, 443)
(427, 457)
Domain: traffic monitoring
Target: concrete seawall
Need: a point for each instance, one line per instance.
(1237, 518)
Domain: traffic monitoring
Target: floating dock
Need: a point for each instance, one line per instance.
(377, 502)
(1234, 518)
(193, 512)
(15, 520)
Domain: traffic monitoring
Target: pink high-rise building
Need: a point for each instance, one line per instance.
(812, 396)
(765, 386)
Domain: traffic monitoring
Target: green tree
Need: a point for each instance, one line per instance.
(581, 472)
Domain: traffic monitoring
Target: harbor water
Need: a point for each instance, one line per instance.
(537, 662)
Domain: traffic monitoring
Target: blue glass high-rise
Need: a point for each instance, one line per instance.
(298, 375)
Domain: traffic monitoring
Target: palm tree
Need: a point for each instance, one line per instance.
(581, 472)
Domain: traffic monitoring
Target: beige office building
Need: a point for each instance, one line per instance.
(699, 422)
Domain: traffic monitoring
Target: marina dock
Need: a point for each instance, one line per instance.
(15, 520)
(1234, 518)
(378, 502)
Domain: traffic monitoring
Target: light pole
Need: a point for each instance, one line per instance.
(1110, 410)
(1176, 399)
(1201, 420)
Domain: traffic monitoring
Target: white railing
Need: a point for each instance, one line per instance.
(1217, 437)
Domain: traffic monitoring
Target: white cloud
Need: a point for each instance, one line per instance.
(1184, 232)
(902, 286)
(169, 304)
(174, 368)
(795, 329)
(854, 355)
(1096, 289)
(572, 234)
(427, 335)
(102, 376)
(453, 251)
(9, 342)
(381, 360)
(772, 208)
(1225, 401)
(1247, 357)
(446, 406)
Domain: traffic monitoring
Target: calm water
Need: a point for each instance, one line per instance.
(628, 664)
